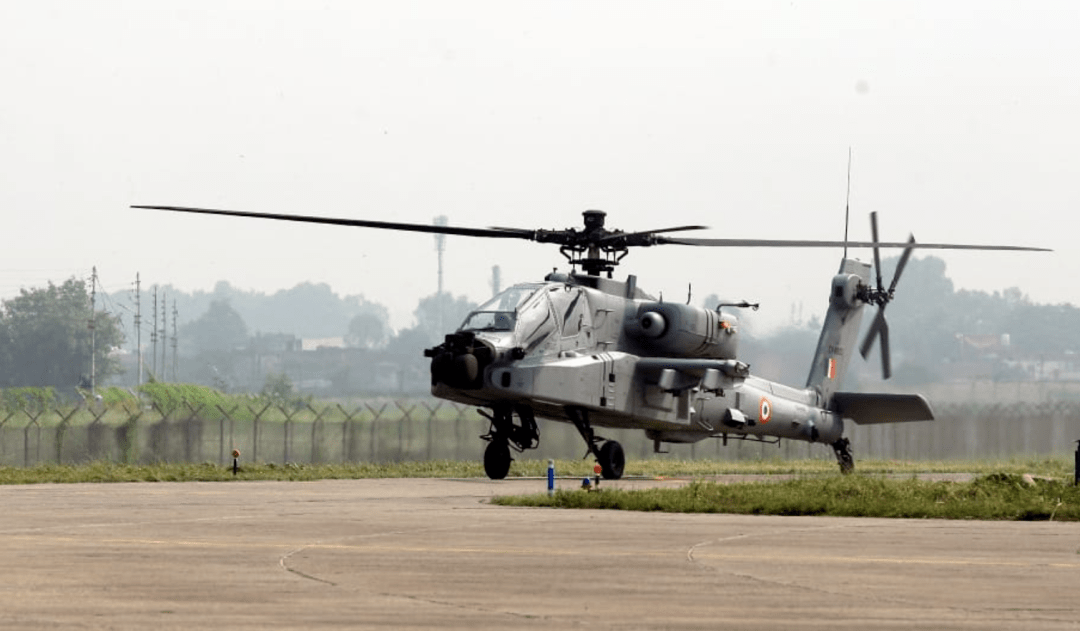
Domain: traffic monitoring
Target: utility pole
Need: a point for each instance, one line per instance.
(496, 280)
(164, 336)
(138, 329)
(174, 337)
(153, 336)
(440, 247)
(93, 331)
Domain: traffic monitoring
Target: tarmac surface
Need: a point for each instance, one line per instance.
(433, 554)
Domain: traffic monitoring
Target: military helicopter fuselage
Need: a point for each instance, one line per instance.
(596, 352)
(601, 353)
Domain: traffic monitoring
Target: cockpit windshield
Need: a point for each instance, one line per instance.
(500, 313)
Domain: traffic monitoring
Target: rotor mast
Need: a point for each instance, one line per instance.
(594, 263)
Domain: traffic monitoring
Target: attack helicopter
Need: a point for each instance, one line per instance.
(586, 349)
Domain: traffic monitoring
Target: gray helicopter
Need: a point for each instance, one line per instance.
(585, 349)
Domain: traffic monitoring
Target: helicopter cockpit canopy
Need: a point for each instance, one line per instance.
(501, 312)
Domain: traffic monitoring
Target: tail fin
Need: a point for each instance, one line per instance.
(837, 343)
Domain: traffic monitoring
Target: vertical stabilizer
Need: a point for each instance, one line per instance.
(837, 343)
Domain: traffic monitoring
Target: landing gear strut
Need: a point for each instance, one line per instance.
(504, 434)
(842, 448)
(610, 455)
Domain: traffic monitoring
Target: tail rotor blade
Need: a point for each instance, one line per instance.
(879, 329)
(886, 354)
(872, 334)
(877, 254)
(900, 265)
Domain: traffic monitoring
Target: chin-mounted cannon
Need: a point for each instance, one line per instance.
(460, 360)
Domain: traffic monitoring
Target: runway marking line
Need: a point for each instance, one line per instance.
(699, 555)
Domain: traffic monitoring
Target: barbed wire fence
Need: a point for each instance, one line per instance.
(392, 430)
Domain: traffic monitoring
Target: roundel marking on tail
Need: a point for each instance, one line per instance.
(764, 410)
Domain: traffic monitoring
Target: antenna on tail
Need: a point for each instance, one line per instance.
(847, 201)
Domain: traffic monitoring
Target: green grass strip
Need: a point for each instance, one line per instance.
(997, 496)
(647, 468)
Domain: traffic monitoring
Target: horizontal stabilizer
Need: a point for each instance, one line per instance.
(871, 408)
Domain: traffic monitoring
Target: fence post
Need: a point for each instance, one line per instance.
(3, 432)
(90, 448)
(126, 436)
(316, 456)
(287, 427)
(348, 433)
(26, 438)
(26, 441)
(225, 414)
(189, 447)
(432, 411)
(406, 417)
(457, 429)
(61, 429)
(374, 423)
(255, 432)
(163, 452)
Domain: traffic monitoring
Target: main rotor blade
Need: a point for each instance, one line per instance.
(561, 236)
(784, 243)
(642, 237)
(360, 223)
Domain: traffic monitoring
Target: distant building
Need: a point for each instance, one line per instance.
(315, 343)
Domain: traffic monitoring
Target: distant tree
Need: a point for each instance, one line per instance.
(220, 329)
(406, 351)
(367, 330)
(439, 314)
(278, 389)
(306, 310)
(45, 338)
(783, 355)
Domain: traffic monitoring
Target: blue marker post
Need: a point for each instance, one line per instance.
(551, 478)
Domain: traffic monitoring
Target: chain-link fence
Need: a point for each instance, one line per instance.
(429, 429)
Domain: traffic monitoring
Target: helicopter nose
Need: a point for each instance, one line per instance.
(467, 367)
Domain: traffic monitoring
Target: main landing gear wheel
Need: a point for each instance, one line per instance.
(497, 459)
(504, 434)
(612, 460)
(842, 448)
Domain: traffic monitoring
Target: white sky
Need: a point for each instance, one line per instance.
(962, 117)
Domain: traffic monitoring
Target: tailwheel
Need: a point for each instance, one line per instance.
(497, 459)
(612, 460)
(842, 448)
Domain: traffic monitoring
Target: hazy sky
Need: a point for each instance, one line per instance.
(962, 117)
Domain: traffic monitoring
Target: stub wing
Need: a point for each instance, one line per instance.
(729, 367)
(873, 408)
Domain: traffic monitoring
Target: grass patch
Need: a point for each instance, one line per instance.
(207, 472)
(649, 468)
(994, 496)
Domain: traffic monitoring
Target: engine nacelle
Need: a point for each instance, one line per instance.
(669, 329)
